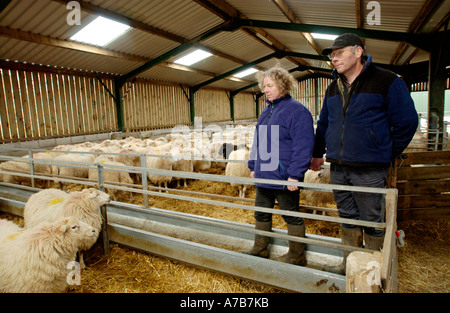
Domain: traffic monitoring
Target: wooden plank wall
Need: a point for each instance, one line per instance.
(42, 105)
(150, 106)
(213, 105)
(244, 106)
(47, 103)
(423, 183)
(305, 93)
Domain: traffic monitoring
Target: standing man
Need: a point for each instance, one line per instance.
(367, 120)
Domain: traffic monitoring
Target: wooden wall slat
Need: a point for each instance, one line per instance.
(423, 186)
(423, 201)
(51, 105)
(431, 157)
(32, 105)
(3, 108)
(429, 172)
(38, 103)
(10, 102)
(25, 105)
(18, 105)
(46, 104)
(84, 105)
(58, 105)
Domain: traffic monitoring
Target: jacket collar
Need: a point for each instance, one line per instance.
(278, 100)
(368, 61)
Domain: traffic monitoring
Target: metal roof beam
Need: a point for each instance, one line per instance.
(300, 68)
(4, 4)
(209, 33)
(236, 70)
(421, 41)
(426, 12)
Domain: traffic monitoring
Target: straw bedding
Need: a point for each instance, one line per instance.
(424, 263)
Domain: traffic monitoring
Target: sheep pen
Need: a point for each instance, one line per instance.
(423, 262)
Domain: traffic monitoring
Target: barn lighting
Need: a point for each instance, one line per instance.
(246, 72)
(193, 57)
(324, 36)
(100, 31)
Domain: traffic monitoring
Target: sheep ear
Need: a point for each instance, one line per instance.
(92, 194)
(64, 225)
(64, 228)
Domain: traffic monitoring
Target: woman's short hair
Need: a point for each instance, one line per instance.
(280, 76)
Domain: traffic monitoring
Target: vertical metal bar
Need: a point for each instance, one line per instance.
(105, 236)
(30, 156)
(144, 179)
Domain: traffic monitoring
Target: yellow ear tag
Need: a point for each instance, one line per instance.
(102, 161)
(55, 201)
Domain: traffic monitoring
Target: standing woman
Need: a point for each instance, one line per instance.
(282, 150)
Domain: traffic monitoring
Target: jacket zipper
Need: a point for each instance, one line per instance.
(345, 106)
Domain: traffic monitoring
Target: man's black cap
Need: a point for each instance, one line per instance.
(342, 41)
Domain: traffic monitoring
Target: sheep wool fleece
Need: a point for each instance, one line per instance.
(283, 142)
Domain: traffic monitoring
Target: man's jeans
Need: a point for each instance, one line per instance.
(360, 205)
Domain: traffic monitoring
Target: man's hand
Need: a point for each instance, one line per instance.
(316, 163)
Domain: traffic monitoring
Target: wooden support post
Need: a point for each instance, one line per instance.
(192, 92)
(437, 80)
(118, 84)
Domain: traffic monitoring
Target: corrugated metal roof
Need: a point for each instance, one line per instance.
(324, 12)
(186, 19)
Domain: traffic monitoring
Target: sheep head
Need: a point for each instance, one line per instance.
(99, 196)
(70, 226)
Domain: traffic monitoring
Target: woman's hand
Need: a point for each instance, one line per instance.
(292, 188)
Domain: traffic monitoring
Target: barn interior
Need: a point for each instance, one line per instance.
(60, 89)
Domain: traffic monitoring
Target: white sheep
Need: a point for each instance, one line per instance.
(199, 163)
(111, 176)
(238, 169)
(8, 230)
(51, 204)
(70, 171)
(129, 157)
(182, 162)
(314, 197)
(161, 163)
(37, 259)
(24, 167)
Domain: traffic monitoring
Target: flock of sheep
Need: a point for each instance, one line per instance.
(191, 152)
(59, 224)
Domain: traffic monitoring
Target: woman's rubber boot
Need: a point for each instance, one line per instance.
(296, 253)
(261, 242)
